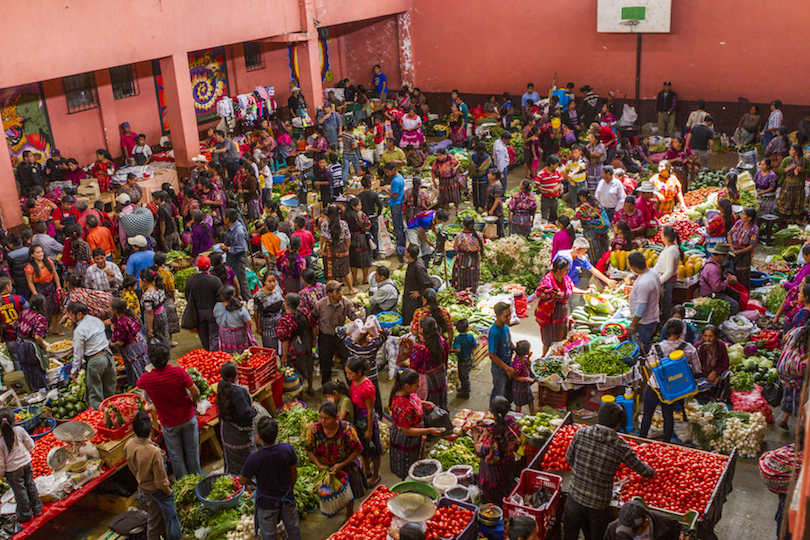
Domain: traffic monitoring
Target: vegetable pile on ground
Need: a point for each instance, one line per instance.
(596, 362)
(775, 298)
(181, 277)
(751, 365)
(547, 367)
(448, 522)
(70, 401)
(714, 428)
(698, 196)
(722, 309)
(293, 425)
(460, 452)
(537, 426)
(194, 516)
(709, 178)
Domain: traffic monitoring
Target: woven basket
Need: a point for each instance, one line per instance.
(182, 263)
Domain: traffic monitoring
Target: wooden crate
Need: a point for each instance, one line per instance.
(114, 504)
(89, 501)
(112, 452)
(679, 296)
(480, 353)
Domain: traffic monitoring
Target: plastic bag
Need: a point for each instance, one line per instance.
(629, 116)
(6, 363)
(737, 329)
(752, 402)
(439, 418)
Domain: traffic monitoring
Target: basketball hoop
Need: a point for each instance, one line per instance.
(632, 23)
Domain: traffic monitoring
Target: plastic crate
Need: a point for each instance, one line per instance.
(531, 481)
(552, 398)
(255, 378)
(121, 431)
(32, 423)
(470, 532)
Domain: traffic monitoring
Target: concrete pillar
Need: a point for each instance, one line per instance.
(313, 74)
(109, 116)
(180, 108)
(407, 66)
(235, 54)
(9, 205)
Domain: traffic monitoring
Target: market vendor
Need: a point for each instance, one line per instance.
(668, 187)
(644, 300)
(469, 247)
(420, 225)
(334, 446)
(577, 258)
(632, 215)
(595, 454)
(743, 238)
(91, 351)
(646, 205)
(673, 332)
(792, 366)
(495, 443)
(431, 308)
(714, 281)
(552, 310)
(417, 280)
(635, 521)
(429, 357)
(595, 224)
(408, 431)
(720, 224)
(714, 362)
(235, 419)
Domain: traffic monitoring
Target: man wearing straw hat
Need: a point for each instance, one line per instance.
(645, 202)
(714, 282)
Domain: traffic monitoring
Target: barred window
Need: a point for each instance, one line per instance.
(254, 56)
(124, 81)
(80, 92)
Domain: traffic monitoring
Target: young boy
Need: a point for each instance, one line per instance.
(142, 152)
(690, 335)
(307, 239)
(463, 346)
(145, 460)
(337, 175)
(267, 176)
(275, 468)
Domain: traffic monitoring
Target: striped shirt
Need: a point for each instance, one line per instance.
(167, 390)
(581, 166)
(549, 180)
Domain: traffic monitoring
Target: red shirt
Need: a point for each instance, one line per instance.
(647, 209)
(128, 142)
(629, 184)
(167, 390)
(307, 242)
(549, 180)
(608, 137)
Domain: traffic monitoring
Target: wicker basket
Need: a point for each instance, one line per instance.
(182, 263)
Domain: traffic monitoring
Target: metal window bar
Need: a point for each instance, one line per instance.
(254, 56)
(80, 92)
(124, 81)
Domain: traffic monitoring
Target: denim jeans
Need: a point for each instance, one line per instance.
(399, 228)
(505, 173)
(162, 517)
(465, 365)
(645, 334)
(268, 520)
(183, 447)
(501, 384)
(22, 484)
(237, 263)
(651, 401)
(354, 160)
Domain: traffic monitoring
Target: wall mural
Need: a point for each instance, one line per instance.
(323, 49)
(25, 121)
(209, 81)
(161, 97)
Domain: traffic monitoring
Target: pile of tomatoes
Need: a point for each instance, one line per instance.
(554, 460)
(684, 479)
(207, 363)
(44, 445)
(371, 521)
(681, 223)
(258, 360)
(448, 522)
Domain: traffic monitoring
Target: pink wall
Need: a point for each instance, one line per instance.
(715, 51)
(76, 36)
(372, 42)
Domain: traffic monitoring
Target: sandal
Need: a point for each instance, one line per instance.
(372, 484)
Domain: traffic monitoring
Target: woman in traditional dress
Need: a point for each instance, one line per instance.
(43, 279)
(76, 253)
(793, 170)
(364, 340)
(127, 336)
(364, 395)
(552, 303)
(411, 129)
(480, 164)
(290, 265)
(313, 290)
(522, 208)
(431, 308)
(765, 181)
(791, 366)
(103, 169)
(268, 306)
(595, 153)
(166, 273)
(295, 334)
(458, 132)
(469, 247)
(359, 251)
(429, 358)
(236, 415)
(31, 328)
(684, 163)
(153, 302)
(415, 200)
(234, 322)
(668, 187)
(496, 442)
(632, 215)
(444, 172)
(337, 239)
(743, 238)
(595, 225)
(334, 446)
(408, 431)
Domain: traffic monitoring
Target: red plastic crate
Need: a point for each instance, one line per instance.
(255, 378)
(119, 432)
(531, 481)
(470, 532)
(554, 399)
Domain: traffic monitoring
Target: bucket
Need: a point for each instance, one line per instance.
(278, 179)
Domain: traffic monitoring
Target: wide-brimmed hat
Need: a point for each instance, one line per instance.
(646, 187)
(200, 158)
(412, 507)
(586, 88)
(720, 249)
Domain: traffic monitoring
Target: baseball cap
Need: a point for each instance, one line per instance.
(137, 241)
(203, 262)
(56, 152)
(582, 243)
(125, 124)
(294, 88)
(668, 83)
(123, 199)
(331, 285)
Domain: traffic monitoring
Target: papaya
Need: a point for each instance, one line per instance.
(690, 269)
(614, 259)
(681, 272)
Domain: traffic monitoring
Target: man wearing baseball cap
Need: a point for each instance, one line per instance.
(56, 167)
(129, 141)
(665, 110)
(141, 257)
(201, 292)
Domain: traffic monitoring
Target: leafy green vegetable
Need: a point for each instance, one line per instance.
(184, 489)
(742, 381)
(181, 277)
(775, 298)
(224, 488)
(722, 309)
(306, 488)
(601, 361)
(388, 317)
(172, 255)
(461, 452)
(783, 235)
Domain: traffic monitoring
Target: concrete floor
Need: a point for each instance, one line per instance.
(748, 513)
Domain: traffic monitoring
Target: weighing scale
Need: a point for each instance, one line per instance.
(75, 434)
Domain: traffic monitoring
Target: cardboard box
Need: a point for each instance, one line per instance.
(114, 504)
(354, 191)
(314, 210)
(312, 197)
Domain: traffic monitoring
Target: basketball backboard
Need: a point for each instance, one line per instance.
(633, 16)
